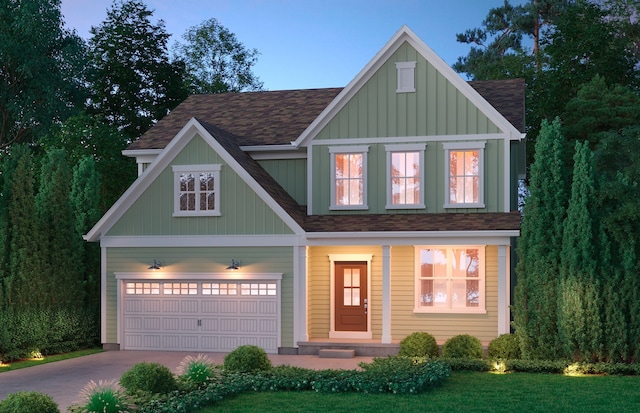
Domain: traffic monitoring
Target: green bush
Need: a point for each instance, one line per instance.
(152, 378)
(28, 402)
(467, 364)
(196, 371)
(419, 344)
(462, 346)
(102, 397)
(505, 347)
(247, 359)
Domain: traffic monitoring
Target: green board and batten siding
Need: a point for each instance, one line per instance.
(243, 212)
(291, 174)
(203, 260)
(436, 108)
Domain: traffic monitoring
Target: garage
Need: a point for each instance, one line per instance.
(200, 315)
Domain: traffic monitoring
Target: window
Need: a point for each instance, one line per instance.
(140, 288)
(349, 186)
(450, 279)
(406, 77)
(405, 176)
(197, 190)
(180, 288)
(464, 185)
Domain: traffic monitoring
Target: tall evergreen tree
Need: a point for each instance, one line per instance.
(539, 248)
(85, 200)
(579, 295)
(57, 232)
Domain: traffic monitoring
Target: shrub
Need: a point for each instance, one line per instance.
(462, 346)
(197, 370)
(467, 364)
(101, 397)
(247, 359)
(28, 402)
(505, 347)
(419, 344)
(146, 377)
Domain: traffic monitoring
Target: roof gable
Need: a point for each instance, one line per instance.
(402, 37)
(230, 153)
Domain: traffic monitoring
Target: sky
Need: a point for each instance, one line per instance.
(307, 44)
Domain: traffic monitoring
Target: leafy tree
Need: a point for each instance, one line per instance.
(216, 61)
(539, 248)
(84, 135)
(61, 246)
(133, 82)
(579, 298)
(41, 69)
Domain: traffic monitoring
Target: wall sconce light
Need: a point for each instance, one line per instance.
(234, 265)
(155, 266)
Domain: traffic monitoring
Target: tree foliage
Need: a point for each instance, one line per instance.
(216, 61)
(41, 70)
(539, 248)
(133, 83)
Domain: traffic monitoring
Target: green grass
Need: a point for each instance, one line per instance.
(468, 392)
(47, 359)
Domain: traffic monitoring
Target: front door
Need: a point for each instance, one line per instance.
(351, 297)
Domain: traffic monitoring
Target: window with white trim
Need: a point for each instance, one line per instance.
(348, 177)
(464, 175)
(196, 190)
(405, 176)
(450, 279)
(142, 288)
(406, 77)
(180, 288)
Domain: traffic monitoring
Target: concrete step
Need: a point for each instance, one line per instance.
(332, 353)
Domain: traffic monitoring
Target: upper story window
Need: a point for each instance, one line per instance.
(464, 185)
(348, 177)
(196, 190)
(450, 279)
(406, 77)
(405, 176)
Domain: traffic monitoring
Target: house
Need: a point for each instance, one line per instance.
(301, 219)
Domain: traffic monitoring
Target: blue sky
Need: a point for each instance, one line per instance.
(309, 43)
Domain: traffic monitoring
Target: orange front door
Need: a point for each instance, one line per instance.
(351, 297)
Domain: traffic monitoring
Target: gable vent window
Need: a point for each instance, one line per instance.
(406, 77)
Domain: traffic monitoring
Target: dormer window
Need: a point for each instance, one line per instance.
(196, 190)
(406, 77)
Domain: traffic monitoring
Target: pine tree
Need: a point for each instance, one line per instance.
(579, 296)
(539, 248)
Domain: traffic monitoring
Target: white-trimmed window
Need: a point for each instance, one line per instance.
(405, 176)
(464, 174)
(349, 177)
(180, 288)
(142, 288)
(406, 77)
(450, 279)
(196, 190)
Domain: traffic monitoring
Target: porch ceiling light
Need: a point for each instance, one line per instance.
(155, 266)
(234, 265)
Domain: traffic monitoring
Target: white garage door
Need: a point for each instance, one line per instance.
(211, 316)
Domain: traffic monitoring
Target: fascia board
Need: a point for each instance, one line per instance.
(498, 237)
(189, 241)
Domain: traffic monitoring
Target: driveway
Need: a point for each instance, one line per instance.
(63, 380)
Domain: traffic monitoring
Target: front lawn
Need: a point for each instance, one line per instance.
(463, 391)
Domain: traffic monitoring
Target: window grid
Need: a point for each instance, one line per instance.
(464, 177)
(180, 288)
(219, 289)
(139, 288)
(349, 179)
(205, 288)
(405, 178)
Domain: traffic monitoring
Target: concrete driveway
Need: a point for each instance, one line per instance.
(63, 380)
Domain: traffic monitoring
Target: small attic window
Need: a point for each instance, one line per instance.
(406, 77)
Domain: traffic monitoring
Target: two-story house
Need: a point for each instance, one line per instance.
(302, 219)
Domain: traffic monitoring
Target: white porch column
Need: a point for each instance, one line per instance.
(300, 332)
(504, 287)
(386, 294)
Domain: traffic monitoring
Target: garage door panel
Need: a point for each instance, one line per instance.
(177, 318)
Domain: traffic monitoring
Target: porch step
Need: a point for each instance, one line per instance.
(361, 348)
(332, 353)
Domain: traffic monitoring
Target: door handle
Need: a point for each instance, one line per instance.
(366, 305)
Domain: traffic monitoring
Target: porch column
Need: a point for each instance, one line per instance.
(504, 282)
(386, 294)
(300, 332)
